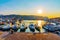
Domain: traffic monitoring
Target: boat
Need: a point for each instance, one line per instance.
(51, 27)
(32, 27)
(37, 27)
(14, 27)
(6, 28)
(23, 28)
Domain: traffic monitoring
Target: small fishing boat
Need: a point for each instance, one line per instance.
(50, 27)
(14, 27)
(37, 27)
(32, 28)
(6, 28)
(23, 28)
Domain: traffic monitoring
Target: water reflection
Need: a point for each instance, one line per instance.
(27, 25)
(39, 23)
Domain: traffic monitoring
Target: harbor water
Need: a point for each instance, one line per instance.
(38, 22)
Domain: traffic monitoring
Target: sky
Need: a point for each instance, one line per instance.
(50, 8)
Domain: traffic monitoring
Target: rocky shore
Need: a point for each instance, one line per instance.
(31, 36)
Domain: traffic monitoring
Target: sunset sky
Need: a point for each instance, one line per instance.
(50, 8)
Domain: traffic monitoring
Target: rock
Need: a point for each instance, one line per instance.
(30, 36)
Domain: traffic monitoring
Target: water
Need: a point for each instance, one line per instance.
(27, 23)
(39, 22)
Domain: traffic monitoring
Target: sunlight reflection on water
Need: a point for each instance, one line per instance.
(40, 23)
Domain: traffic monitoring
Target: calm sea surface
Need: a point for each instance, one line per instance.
(39, 22)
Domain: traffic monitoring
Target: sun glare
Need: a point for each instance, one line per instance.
(39, 11)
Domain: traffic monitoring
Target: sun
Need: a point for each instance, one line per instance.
(39, 11)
